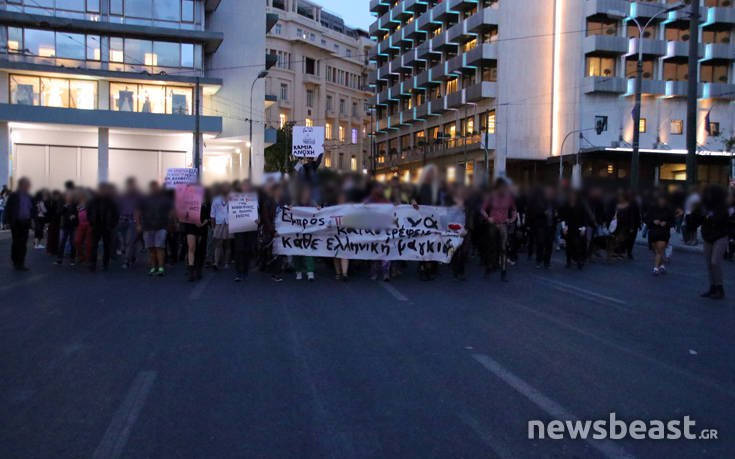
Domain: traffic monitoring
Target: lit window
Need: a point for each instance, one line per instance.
(353, 163)
(54, 92)
(327, 161)
(328, 131)
(642, 126)
(677, 127)
(341, 134)
(282, 120)
(309, 122)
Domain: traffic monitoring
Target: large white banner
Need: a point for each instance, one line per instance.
(308, 141)
(370, 232)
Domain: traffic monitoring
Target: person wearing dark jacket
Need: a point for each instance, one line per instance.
(575, 220)
(661, 219)
(542, 218)
(68, 221)
(103, 215)
(19, 212)
(715, 235)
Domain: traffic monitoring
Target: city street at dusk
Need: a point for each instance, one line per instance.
(120, 365)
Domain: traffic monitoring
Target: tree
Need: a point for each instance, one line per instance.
(278, 156)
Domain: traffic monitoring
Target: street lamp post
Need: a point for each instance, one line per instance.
(262, 74)
(635, 160)
(561, 150)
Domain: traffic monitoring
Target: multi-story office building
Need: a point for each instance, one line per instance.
(518, 76)
(320, 79)
(98, 90)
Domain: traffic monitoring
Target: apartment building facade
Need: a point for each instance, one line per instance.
(320, 79)
(459, 81)
(99, 90)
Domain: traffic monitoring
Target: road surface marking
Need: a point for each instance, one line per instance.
(28, 280)
(198, 291)
(575, 289)
(713, 385)
(394, 291)
(116, 436)
(553, 409)
(486, 436)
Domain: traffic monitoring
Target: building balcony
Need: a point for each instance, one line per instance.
(458, 64)
(601, 84)
(648, 87)
(719, 15)
(461, 5)
(647, 9)
(379, 6)
(482, 54)
(425, 49)
(410, 31)
(609, 8)
(441, 42)
(312, 79)
(398, 38)
(650, 47)
(408, 116)
(456, 99)
(439, 72)
(438, 106)
(408, 85)
(425, 23)
(681, 89)
(482, 90)
(606, 44)
(397, 65)
(421, 112)
(416, 6)
(680, 49)
(718, 91)
(409, 58)
(443, 11)
(485, 19)
(718, 51)
(458, 33)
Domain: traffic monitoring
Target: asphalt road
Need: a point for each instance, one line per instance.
(119, 365)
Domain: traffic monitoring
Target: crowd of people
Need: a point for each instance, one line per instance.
(503, 222)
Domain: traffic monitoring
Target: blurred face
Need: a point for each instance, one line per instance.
(153, 188)
(661, 200)
(549, 193)
(24, 185)
(131, 186)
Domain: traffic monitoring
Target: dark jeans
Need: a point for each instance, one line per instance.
(244, 247)
(67, 237)
(459, 260)
(104, 235)
(543, 237)
(19, 232)
(576, 247)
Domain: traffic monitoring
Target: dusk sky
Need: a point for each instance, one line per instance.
(356, 13)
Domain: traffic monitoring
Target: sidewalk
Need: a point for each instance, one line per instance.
(677, 242)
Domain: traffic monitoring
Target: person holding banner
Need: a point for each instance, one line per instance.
(380, 267)
(429, 193)
(244, 203)
(303, 264)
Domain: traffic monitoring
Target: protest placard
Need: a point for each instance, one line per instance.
(243, 212)
(370, 232)
(188, 203)
(180, 176)
(308, 141)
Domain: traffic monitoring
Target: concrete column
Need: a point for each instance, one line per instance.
(199, 166)
(5, 146)
(103, 96)
(103, 155)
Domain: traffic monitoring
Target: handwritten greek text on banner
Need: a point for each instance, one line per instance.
(370, 232)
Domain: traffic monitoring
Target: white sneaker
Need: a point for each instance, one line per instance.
(299, 276)
(662, 269)
(656, 271)
(310, 276)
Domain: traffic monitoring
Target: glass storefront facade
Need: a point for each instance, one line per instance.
(53, 92)
(178, 14)
(50, 47)
(143, 98)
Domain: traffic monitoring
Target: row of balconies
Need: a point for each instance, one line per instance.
(666, 49)
(635, 9)
(436, 147)
(626, 86)
(483, 53)
(390, 18)
(462, 31)
(455, 100)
